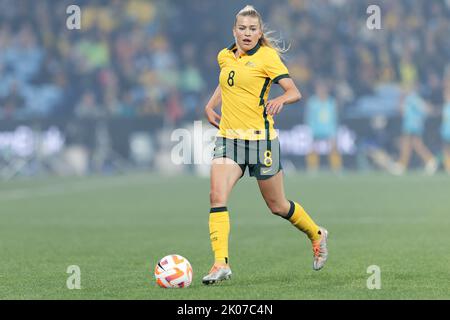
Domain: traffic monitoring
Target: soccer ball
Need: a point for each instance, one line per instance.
(173, 271)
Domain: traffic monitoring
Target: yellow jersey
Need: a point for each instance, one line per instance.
(245, 84)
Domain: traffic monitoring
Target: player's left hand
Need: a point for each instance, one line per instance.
(274, 106)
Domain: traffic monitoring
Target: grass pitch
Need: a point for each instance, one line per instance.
(116, 228)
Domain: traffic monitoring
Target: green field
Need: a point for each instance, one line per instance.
(116, 228)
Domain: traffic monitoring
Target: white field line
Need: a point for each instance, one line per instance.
(71, 187)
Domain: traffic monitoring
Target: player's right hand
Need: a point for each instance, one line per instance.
(212, 116)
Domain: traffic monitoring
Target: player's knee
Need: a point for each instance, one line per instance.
(217, 198)
(277, 208)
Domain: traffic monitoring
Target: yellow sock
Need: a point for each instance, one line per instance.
(335, 161)
(312, 161)
(302, 221)
(219, 230)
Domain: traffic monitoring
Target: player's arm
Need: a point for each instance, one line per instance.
(291, 94)
(213, 103)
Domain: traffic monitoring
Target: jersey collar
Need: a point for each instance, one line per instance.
(249, 52)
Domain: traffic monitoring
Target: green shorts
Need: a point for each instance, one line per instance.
(262, 157)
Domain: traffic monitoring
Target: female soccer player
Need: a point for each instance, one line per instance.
(246, 137)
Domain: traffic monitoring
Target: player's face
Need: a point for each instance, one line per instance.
(247, 32)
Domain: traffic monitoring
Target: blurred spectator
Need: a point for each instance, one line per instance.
(414, 114)
(322, 119)
(191, 83)
(88, 107)
(13, 103)
(152, 52)
(445, 130)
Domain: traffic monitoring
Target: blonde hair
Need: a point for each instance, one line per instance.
(266, 39)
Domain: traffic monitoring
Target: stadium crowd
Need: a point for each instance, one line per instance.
(134, 58)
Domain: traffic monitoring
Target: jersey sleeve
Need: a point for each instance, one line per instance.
(274, 67)
(220, 58)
